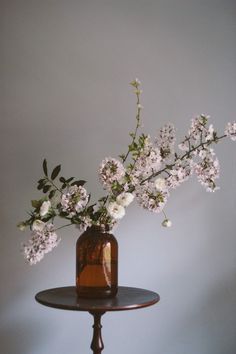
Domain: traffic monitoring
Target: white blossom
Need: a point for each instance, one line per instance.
(125, 199)
(116, 210)
(230, 130)
(184, 146)
(40, 243)
(206, 152)
(160, 184)
(110, 171)
(46, 205)
(38, 225)
(210, 133)
(74, 200)
(198, 128)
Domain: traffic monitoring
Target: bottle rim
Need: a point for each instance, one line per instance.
(100, 228)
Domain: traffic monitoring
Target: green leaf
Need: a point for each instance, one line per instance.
(78, 183)
(69, 179)
(63, 214)
(51, 194)
(46, 189)
(90, 208)
(131, 147)
(35, 203)
(55, 172)
(45, 167)
(42, 180)
(62, 179)
(102, 199)
(122, 156)
(41, 184)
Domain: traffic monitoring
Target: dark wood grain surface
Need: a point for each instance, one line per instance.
(127, 298)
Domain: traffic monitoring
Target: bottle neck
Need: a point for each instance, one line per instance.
(99, 228)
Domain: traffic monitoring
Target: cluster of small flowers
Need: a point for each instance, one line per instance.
(74, 200)
(198, 132)
(148, 161)
(197, 128)
(150, 197)
(166, 140)
(179, 174)
(43, 240)
(111, 170)
(230, 130)
(207, 170)
(85, 222)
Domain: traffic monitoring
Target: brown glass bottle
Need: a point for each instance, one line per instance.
(96, 264)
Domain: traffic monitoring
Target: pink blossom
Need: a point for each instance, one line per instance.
(40, 243)
(179, 174)
(166, 140)
(230, 130)
(110, 171)
(74, 200)
(207, 171)
(151, 199)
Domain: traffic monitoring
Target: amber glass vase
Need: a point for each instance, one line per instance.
(96, 264)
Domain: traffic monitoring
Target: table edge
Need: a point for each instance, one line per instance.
(97, 309)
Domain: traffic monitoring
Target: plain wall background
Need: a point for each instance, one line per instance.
(65, 73)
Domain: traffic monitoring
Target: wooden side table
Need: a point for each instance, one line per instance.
(126, 299)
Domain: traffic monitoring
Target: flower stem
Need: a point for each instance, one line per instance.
(164, 214)
(53, 184)
(137, 124)
(61, 227)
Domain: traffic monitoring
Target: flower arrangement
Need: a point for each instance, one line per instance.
(148, 171)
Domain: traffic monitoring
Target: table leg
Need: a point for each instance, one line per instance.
(97, 344)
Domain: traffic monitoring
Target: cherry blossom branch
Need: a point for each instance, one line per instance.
(61, 227)
(187, 154)
(136, 84)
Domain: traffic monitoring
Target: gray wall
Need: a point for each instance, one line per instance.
(65, 74)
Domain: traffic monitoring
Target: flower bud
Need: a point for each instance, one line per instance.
(38, 225)
(166, 223)
(21, 226)
(45, 208)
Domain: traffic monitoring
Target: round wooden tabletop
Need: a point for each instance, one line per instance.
(126, 299)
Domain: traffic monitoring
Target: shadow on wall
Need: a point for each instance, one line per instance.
(202, 328)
